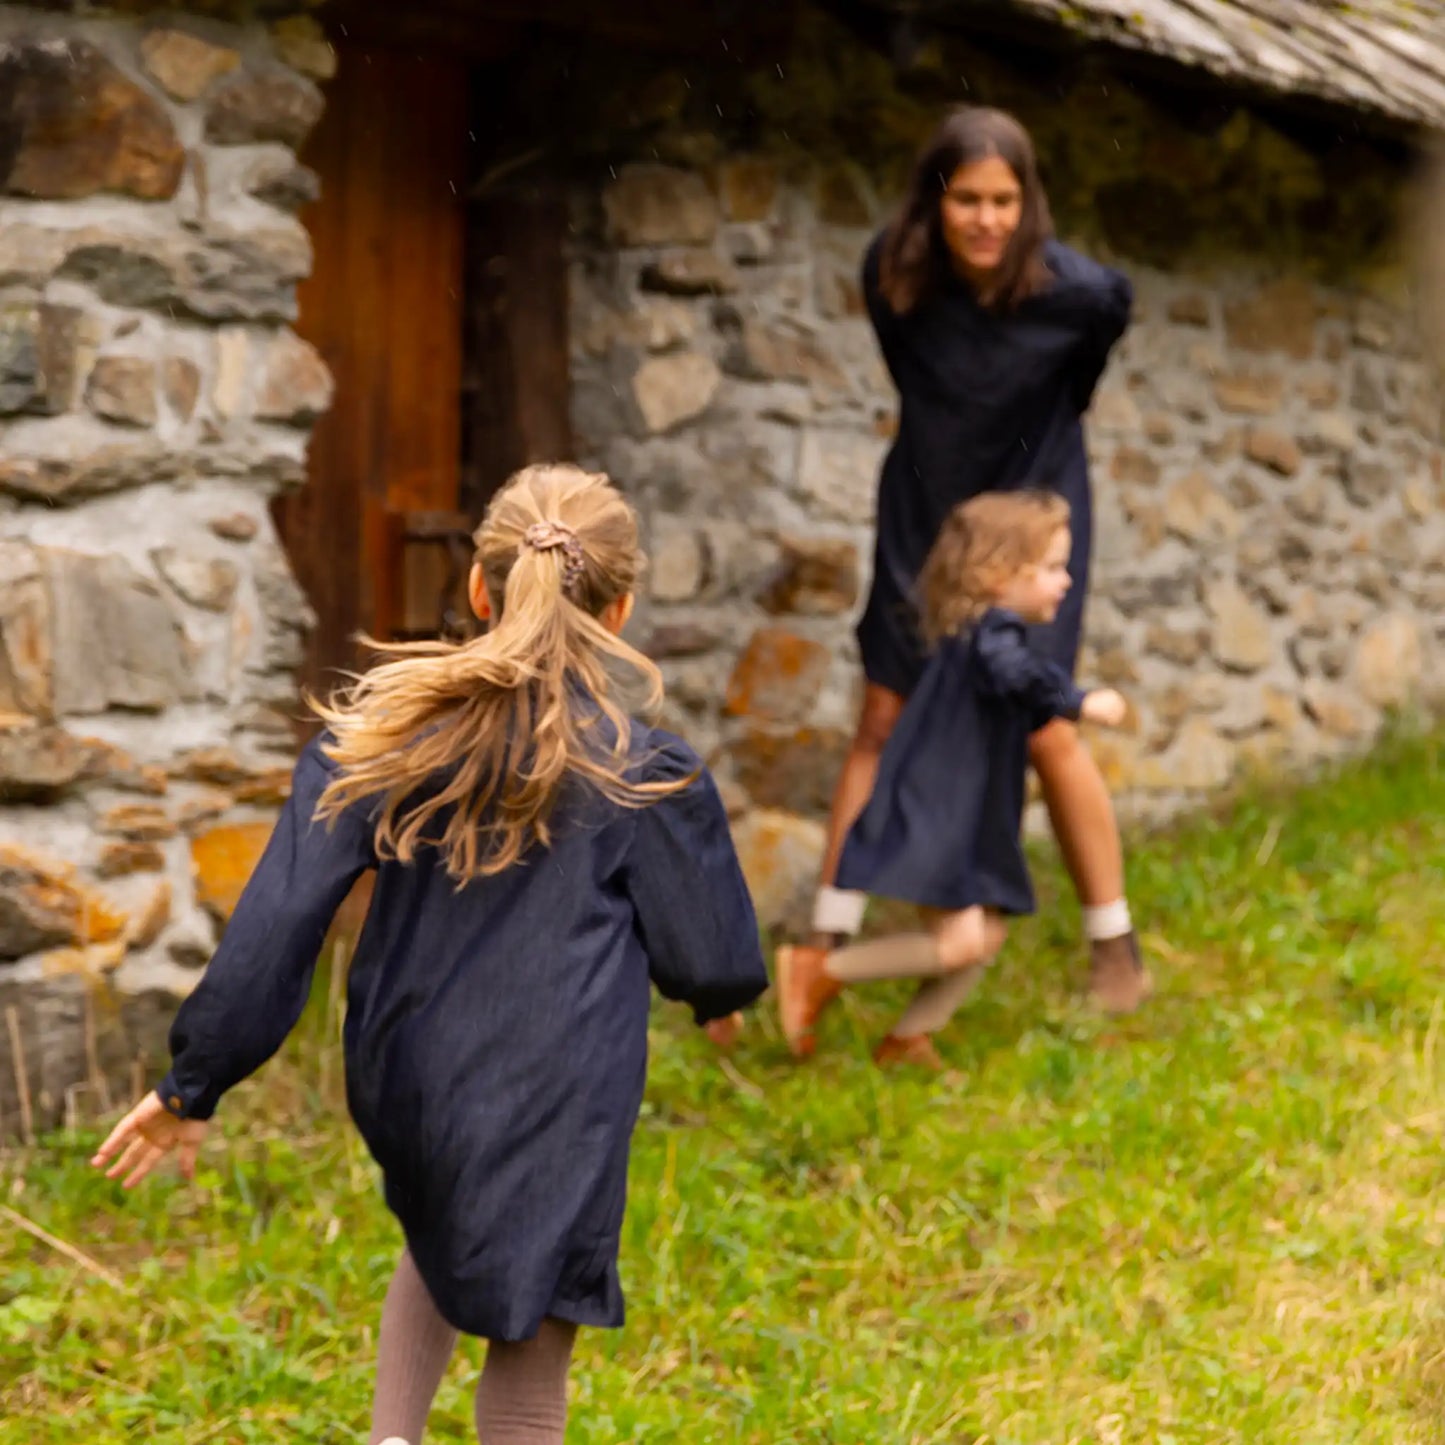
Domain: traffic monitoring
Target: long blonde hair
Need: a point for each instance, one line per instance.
(985, 542)
(500, 724)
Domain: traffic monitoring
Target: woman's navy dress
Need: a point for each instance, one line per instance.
(989, 401)
(942, 826)
(496, 1036)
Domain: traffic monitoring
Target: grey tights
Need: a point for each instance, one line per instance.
(521, 1397)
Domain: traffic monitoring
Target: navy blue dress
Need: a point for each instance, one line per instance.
(496, 1036)
(989, 401)
(941, 828)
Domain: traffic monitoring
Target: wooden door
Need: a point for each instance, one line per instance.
(384, 307)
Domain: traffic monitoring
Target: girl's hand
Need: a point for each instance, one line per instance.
(145, 1136)
(1105, 707)
(725, 1032)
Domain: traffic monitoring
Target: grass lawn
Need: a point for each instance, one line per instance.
(1220, 1221)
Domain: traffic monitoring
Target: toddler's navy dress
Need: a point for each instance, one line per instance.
(496, 1035)
(988, 401)
(941, 828)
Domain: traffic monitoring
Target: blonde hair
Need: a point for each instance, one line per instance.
(500, 724)
(985, 543)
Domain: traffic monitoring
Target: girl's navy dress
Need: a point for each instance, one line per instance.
(942, 826)
(989, 401)
(496, 1035)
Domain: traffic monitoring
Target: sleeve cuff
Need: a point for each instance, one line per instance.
(1074, 703)
(184, 1103)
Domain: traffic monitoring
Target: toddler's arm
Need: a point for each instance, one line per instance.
(1010, 668)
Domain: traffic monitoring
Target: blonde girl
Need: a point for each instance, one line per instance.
(539, 857)
(941, 828)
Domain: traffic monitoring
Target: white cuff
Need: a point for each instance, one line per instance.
(837, 911)
(1110, 920)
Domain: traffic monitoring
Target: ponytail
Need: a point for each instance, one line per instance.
(481, 738)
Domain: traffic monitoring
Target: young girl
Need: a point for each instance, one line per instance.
(538, 858)
(941, 828)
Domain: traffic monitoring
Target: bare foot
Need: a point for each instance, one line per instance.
(912, 1049)
(804, 991)
(1118, 981)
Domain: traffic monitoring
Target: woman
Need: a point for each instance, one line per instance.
(995, 336)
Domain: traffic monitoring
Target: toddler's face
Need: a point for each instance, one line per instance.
(1038, 591)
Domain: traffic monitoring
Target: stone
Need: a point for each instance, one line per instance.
(1388, 662)
(185, 64)
(1160, 429)
(77, 126)
(1281, 709)
(300, 42)
(1195, 509)
(206, 582)
(42, 906)
(122, 270)
(1193, 308)
(238, 527)
(1245, 393)
(815, 577)
(116, 642)
(652, 324)
(1279, 317)
(264, 102)
(1367, 392)
(796, 771)
(674, 389)
(1183, 648)
(1368, 482)
(138, 822)
(1114, 413)
(122, 389)
(780, 853)
(181, 386)
(296, 386)
(749, 245)
(1113, 667)
(678, 561)
(245, 276)
(1320, 392)
(1337, 714)
(67, 341)
(785, 353)
(1199, 760)
(778, 677)
(149, 921)
(652, 205)
(121, 860)
(1309, 502)
(1241, 640)
(690, 273)
(680, 639)
(285, 184)
(39, 762)
(838, 473)
(223, 860)
(1274, 450)
(203, 806)
(26, 652)
(749, 186)
(1134, 467)
(233, 358)
(1331, 432)
(21, 379)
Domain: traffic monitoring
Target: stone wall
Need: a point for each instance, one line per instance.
(152, 399)
(1266, 450)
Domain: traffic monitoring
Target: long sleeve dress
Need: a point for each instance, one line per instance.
(496, 1035)
(941, 828)
(989, 401)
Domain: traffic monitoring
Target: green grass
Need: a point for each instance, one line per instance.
(1219, 1221)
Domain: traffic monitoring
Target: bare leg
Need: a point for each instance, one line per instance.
(415, 1345)
(522, 1395)
(1082, 815)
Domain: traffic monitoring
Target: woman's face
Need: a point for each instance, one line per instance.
(980, 211)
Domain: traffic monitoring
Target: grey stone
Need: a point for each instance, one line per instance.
(285, 184)
(264, 102)
(39, 762)
(20, 375)
(122, 389)
(206, 582)
(116, 642)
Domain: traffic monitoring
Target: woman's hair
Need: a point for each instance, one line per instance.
(486, 733)
(915, 260)
(985, 543)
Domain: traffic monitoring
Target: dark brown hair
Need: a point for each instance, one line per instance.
(915, 259)
(985, 543)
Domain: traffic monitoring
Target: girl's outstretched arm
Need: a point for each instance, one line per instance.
(257, 984)
(694, 913)
(1010, 668)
